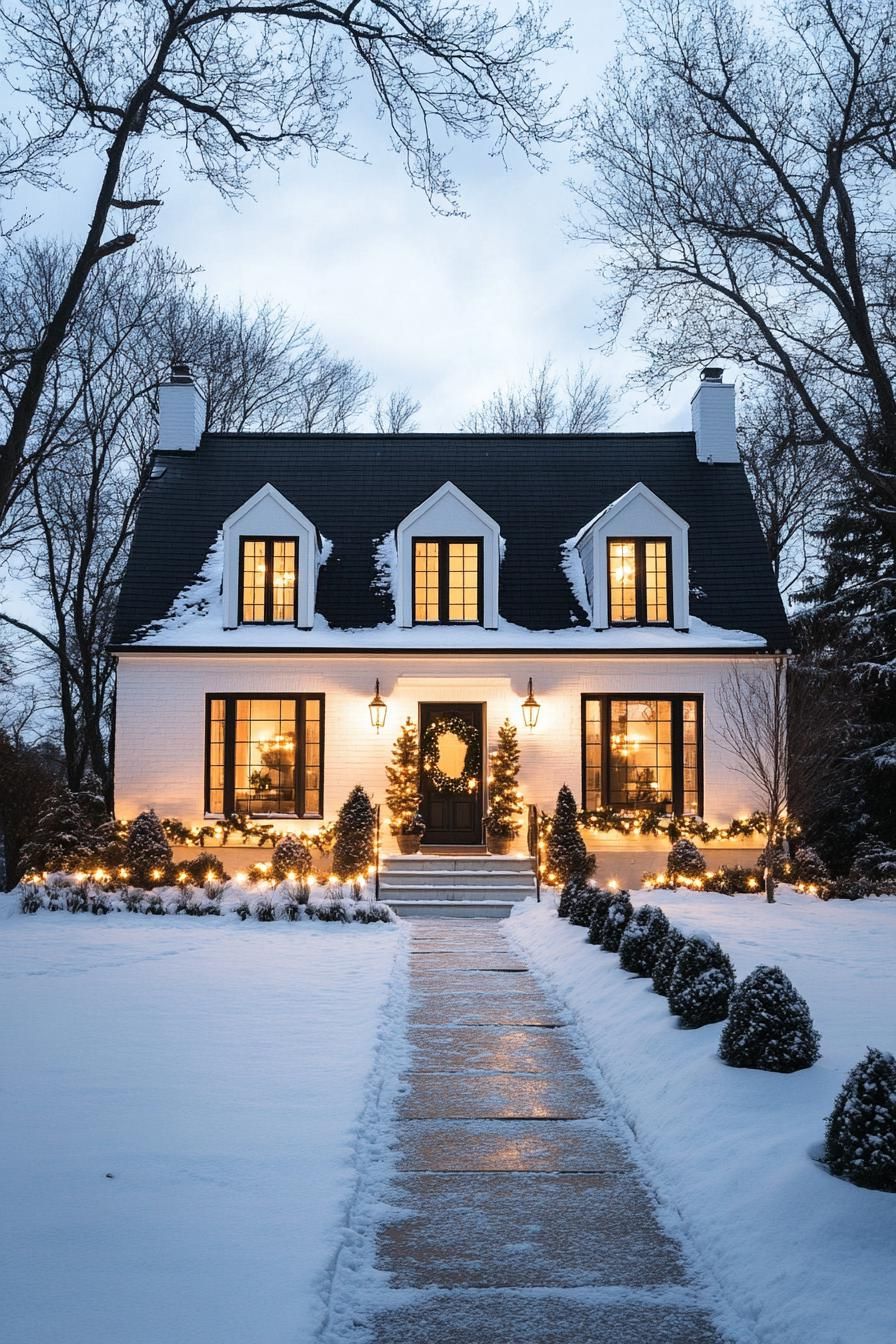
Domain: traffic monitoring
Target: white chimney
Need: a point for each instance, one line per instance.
(712, 416)
(181, 412)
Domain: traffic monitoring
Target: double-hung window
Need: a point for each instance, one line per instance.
(264, 755)
(639, 570)
(268, 580)
(640, 752)
(447, 581)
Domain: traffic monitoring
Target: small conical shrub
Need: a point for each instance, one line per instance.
(701, 983)
(572, 890)
(644, 936)
(147, 850)
(566, 852)
(599, 916)
(291, 859)
(685, 860)
(583, 907)
(618, 915)
(665, 961)
(769, 1025)
(809, 868)
(860, 1141)
(354, 847)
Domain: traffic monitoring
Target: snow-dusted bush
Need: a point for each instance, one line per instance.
(353, 851)
(769, 1025)
(374, 913)
(31, 899)
(701, 982)
(808, 867)
(666, 958)
(291, 909)
(860, 1140)
(71, 830)
(98, 902)
(685, 860)
(573, 888)
(566, 852)
(132, 900)
(147, 850)
(599, 916)
(265, 910)
(76, 900)
(328, 912)
(583, 906)
(204, 871)
(875, 862)
(243, 910)
(642, 940)
(155, 904)
(618, 916)
(730, 879)
(291, 859)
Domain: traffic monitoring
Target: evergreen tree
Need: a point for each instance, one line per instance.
(147, 850)
(860, 1141)
(71, 831)
(583, 906)
(644, 936)
(685, 860)
(353, 851)
(701, 983)
(291, 859)
(769, 1025)
(572, 890)
(566, 853)
(809, 868)
(618, 916)
(403, 793)
(503, 818)
(599, 917)
(664, 965)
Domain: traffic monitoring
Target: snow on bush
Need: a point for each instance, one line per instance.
(618, 916)
(685, 860)
(147, 850)
(643, 939)
(573, 888)
(809, 868)
(582, 907)
(665, 962)
(701, 982)
(599, 916)
(860, 1141)
(291, 859)
(769, 1025)
(566, 853)
(353, 850)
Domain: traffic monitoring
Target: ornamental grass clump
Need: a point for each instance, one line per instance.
(599, 917)
(618, 916)
(860, 1140)
(701, 983)
(642, 940)
(665, 961)
(769, 1025)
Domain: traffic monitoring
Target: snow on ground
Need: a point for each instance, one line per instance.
(217, 1072)
(800, 1256)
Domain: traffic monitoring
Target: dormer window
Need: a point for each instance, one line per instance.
(639, 571)
(268, 584)
(447, 581)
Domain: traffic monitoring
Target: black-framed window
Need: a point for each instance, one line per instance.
(447, 581)
(639, 580)
(264, 755)
(268, 580)
(643, 752)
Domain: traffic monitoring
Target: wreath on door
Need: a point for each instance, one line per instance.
(468, 779)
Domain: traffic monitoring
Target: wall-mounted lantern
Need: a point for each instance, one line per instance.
(377, 709)
(530, 708)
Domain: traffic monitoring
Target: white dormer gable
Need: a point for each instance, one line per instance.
(637, 513)
(448, 513)
(269, 514)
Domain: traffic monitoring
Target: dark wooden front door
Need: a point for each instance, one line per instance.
(451, 818)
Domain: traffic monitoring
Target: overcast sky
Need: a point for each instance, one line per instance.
(450, 308)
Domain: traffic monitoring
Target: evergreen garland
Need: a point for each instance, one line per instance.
(403, 793)
(504, 816)
(353, 851)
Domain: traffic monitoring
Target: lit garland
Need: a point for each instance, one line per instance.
(250, 832)
(674, 828)
(468, 779)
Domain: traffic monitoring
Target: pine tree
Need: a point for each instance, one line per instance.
(644, 936)
(701, 983)
(291, 859)
(72, 829)
(664, 965)
(566, 853)
(503, 818)
(403, 793)
(353, 852)
(618, 916)
(685, 860)
(583, 906)
(860, 1141)
(769, 1025)
(147, 849)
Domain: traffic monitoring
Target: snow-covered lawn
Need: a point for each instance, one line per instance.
(179, 1102)
(801, 1258)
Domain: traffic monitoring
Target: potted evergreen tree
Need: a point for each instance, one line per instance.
(503, 818)
(403, 793)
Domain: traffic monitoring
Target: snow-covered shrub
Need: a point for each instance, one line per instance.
(132, 900)
(875, 862)
(155, 904)
(147, 850)
(582, 907)
(204, 871)
(265, 910)
(56, 894)
(566, 852)
(701, 982)
(76, 900)
(849, 888)
(599, 917)
(329, 912)
(860, 1140)
(618, 916)
(769, 1025)
(98, 902)
(642, 940)
(31, 900)
(374, 913)
(730, 879)
(291, 909)
(353, 851)
(685, 860)
(665, 961)
(72, 829)
(573, 888)
(243, 910)
(291, 859)
(809, 868)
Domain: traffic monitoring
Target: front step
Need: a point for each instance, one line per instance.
(460, 882)
(453, 909)
(455, 878)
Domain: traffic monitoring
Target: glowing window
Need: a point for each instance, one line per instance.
(639, 576)
(642, 754)
(447, 581)
(268, 580)
(264, 755)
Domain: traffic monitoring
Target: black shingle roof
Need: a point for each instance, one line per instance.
(541, 489)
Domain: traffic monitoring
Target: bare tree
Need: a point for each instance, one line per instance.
(238, 82)
(745, 168)
(545, 403)
(396, 414)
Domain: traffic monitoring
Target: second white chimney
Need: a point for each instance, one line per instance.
(181, 412)
(712, 417)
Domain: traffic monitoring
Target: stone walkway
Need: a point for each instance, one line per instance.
(520, 1219)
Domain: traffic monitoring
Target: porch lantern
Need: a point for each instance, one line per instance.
(530, 708)
(377, 709)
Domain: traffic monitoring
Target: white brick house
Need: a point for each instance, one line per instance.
(274, 580)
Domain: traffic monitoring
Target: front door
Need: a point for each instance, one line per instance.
(451, 761)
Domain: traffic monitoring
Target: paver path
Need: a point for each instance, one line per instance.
(520, 1218)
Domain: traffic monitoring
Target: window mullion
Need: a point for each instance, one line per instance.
(298, 763)
(444, 558)
(268, 581)
(604, 749)
(677, 755)
(640, 581)
(229, 753)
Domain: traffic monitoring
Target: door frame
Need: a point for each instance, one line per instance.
(479, 800)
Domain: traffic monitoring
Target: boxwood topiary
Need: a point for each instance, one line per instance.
(599, 916)
(860, 1141)
(769, 1025)
(618, 915)
(685, 859)
(573, 888)
(583, 906)
(665, 961)
(701, 982)
(642, 940)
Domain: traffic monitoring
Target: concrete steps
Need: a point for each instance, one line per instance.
(456, 882)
